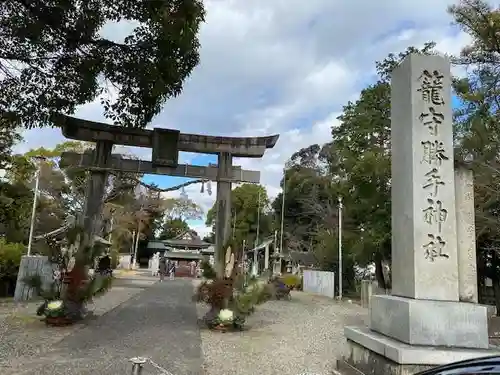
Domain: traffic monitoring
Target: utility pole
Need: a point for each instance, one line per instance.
(255, 266)
(35, 199)
(340, 247)
(132, 248)
(142, 200)
(283, 210)
(258, 220)
(136, 246)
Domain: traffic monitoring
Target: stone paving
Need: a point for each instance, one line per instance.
(159, 323)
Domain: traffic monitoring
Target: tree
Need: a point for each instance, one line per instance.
(482, 23)
(478, 127)
(137, 211)
(245, 214)
(61, 190)
(183, 209)
(129, 206)
(8, 138)
(311, 210)
(360, 158)
(15, 210)
(176, 211)
(149, 214)
(307, 188)
(173, 228)
(62, 61)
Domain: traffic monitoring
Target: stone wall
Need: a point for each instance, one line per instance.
(319, 282)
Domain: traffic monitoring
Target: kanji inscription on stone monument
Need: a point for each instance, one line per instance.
(435, 214)
(424, 222)
(432, 120)
(434, 152)
(431, 87)
(434, 248)
(432, 182)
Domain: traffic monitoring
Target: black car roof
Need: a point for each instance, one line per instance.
(492, 363)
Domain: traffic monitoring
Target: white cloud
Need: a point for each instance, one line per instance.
(287, 67)
(201, 229)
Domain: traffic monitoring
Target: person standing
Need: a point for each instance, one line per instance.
(192, 268)
(162, 267)
(171, 270)
(155, 264)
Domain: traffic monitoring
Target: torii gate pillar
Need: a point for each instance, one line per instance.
(223, 204)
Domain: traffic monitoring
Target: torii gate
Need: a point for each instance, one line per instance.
(165, 145)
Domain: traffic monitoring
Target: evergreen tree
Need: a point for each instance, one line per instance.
(54, 58)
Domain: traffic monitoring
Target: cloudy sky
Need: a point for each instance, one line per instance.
(282, 66)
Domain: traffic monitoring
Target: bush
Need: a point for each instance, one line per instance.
(244, 303)
(208, 271)
(214, 292)
(292, 281)
(231, 297)
(10, 258)
(267, 294)
(279, 288)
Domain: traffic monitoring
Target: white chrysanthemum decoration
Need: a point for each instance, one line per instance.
(54, 305)
(226, 316)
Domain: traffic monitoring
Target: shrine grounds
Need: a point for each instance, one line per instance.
(304, 335)
(140, 317)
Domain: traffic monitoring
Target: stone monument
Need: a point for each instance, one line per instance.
(466, 233)
(423, 323)
(33, 265)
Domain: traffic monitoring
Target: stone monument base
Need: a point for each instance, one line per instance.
(369, 352)
(430, 323)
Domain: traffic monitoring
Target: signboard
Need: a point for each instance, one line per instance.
(165, 147)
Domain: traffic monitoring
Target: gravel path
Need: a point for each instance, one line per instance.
(303, 335)
(159, 323)
(284, 337)
(24, 337)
